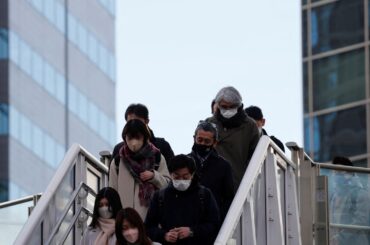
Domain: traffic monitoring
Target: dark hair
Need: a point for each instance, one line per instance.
(132, 217)
(181, 161)
(134, 129)
(254, 112)
(139, 110)
(114, 203)
(212, 105)
(342, 161)
(208, 127)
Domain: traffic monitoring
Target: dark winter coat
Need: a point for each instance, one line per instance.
(183, 209)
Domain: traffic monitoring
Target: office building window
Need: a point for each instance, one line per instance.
(25, 57)
(4, 47)
(25, 131)
(339, 79)
(336, 25)
(340, 133)
(37, 144)
(4, 119)
(307, 134)
(305, 88)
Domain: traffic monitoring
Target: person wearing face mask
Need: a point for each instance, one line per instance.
(213, 171)
(101, 229)
(142, 168)
(238, 133)
(130, 229)
(184, 213)
(256, 113)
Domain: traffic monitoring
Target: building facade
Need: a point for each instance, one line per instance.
(336, 91)
(57, 80)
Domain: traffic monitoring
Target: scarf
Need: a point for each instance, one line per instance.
(107, 227)
(233, 122)
(137, 162)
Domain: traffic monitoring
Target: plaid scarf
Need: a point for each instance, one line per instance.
(138, 162)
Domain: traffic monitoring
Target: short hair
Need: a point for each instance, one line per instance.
(132, 217)
(208, 127)
(342, 161)
(114, 203)
(139, 110)
(181, 161)
(230, 95)
(254, 112)
(134, 129)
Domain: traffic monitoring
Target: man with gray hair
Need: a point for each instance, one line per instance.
(238, 133)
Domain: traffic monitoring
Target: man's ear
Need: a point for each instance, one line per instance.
(147, 121)
(263, 122)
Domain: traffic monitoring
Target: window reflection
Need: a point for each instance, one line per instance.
(340, 133)
(339, 79)
(4, 119)
(337, 25)
(4, 47)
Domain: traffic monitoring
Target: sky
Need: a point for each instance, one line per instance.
(175, 55)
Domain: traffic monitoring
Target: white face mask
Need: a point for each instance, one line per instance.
(134, 144)
(181, 185)
(229, 113)
(105, 213)
(131, 235)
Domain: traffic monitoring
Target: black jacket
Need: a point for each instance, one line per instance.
(183, 209)
(160, 143)
(215, 173)
(275, 140)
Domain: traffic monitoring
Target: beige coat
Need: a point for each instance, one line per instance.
(128, 189)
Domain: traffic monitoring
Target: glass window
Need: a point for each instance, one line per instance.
(93, 117)
(305, 88)
(14, 47)
(72, 99)
(25, 52)
(340, 133)
(82, 39)
(25, 131)
(72, 29)
(82, 107)
(37, 4)
(49, 153)
(93, 49)
(49, 78)
(60, 87)
(112, 67)
(14, 123)
(103, 63)
(49, 10)
(59, 153)
(112, 7)
(360, 163)
(339, 79)
(307, 135)
(4, 119)
(37, 71)
(3, 43)
(60, 13)
(304, 34)
(104, 126)
(37, 144)
(337, 25)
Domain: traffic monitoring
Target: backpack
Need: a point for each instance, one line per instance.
(201, 195)
(117, 160)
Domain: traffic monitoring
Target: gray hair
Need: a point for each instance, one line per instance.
(230, 95)
(208, 127)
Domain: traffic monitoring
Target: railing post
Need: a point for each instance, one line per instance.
(105, 158)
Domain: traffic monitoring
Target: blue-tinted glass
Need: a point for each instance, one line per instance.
(339, 79)
(72, 99)
(60, 88)
(93, 117)
(104, 126)
(25, 52)
(360, 163)
(337, 25)
(60, 15)
(82, 107)
(307, 135)
(4, 119)
(37, 144)
(82, 39)
(49, 78)
(112, 67)
(37, 71)
(37, 4)
(103, 62)
(4, 47)
(49, 10)
(72, 29)
(304, 33)
(25, 132)
(112, 7)
(49, 152)
(305, 88)
(59, 153)
(304, 2)
(93, 49)
(341, 133)
(14, 47)
(14, 123)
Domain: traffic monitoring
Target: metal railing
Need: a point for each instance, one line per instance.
(265, 207)
(57, 216)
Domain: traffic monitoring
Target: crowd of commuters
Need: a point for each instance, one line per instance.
(183, 199)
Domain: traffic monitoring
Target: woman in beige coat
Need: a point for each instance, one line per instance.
(141, 170)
